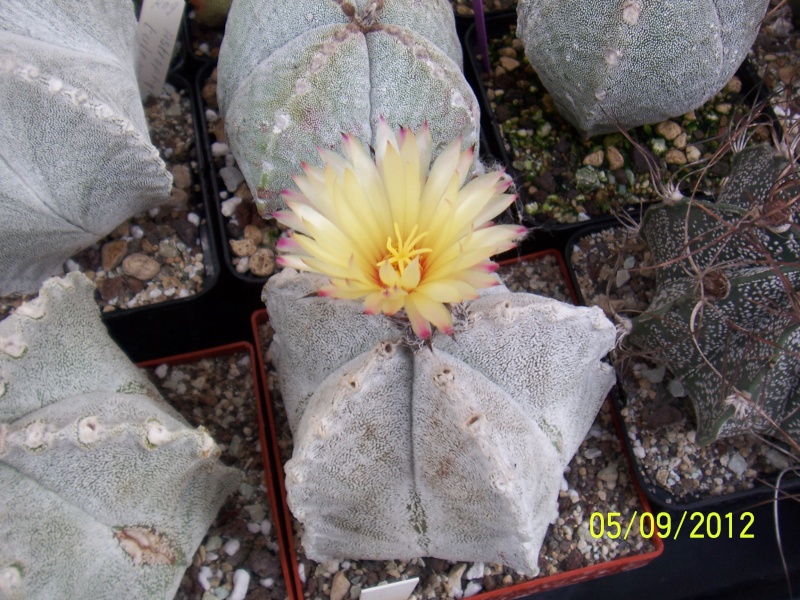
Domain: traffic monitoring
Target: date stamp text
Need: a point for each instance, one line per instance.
(699, 526)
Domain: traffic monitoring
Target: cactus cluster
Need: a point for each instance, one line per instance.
(455, 449)
(631, 62)
(76, 154)
(293, 76)
(105, 491)
(724, 318)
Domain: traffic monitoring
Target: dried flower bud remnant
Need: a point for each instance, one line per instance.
(398, 231)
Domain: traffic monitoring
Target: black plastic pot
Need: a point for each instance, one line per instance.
(658, 495)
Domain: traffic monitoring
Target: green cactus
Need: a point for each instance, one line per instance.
(292, 76)
(105, 491)
(631, 62)
(454, 450)
(724, 318)
(76, 154)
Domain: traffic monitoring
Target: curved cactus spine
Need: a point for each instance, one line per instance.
(98, 475)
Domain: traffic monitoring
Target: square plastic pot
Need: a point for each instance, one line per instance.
(539, 584)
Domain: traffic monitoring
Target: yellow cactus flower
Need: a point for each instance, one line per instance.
(397, 231)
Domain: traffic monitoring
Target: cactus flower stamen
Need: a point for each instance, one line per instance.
(362, 221)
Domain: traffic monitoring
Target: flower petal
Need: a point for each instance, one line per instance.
(388, 275)
(427, 310)
(411, 275)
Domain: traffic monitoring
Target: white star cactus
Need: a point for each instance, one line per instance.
(411, 442)
(293, 75)
(75, 153)
(630, 62)
(105, 491)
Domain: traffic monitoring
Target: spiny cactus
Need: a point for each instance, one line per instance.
(105, 491)
(631, 62)
(76, 154)
(724, 318)
(293, 76)
(456, 450)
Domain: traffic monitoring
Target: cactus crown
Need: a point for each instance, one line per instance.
(336, 66)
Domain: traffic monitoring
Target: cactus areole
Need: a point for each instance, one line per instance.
(626, 63)
(292, 76)
(724, 318)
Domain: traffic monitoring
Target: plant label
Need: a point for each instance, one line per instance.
(158, 27)
(399, 590)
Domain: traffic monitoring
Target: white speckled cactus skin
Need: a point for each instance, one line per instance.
(744, 339)
(292, 76)
(630, 62)
(455, 451)
(105, 491)
(75, 153)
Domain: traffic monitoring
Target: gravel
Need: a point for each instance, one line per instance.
(157, 255)
(249, 238)
(239, 554)
(597, 479)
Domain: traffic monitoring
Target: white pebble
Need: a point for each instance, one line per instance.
(161, 371)
(241, 579)
(219, 149)
(232, 546)
(211, 556)
(228, 207)
(639, 452)
(573, 496)
(155, 293)
(71, 265)
(154, 212)
(253, 527)
(193, 218)
(137, 232)
(737, 464)
(268, 583)
(266, 527)
(211, 115)
(204, 48)
(203, 577)
(301, 572)
(475, 571)
(592, 453)
(472, 589)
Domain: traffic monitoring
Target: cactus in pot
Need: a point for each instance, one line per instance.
(293, 75)
(429, 419)
(631, 62)
(105, 491)
(77, 158)
(724, 316)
